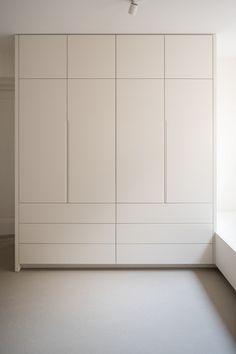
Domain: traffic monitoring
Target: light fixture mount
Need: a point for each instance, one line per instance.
(133, 7)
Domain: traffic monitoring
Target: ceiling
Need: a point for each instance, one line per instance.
(111, 16)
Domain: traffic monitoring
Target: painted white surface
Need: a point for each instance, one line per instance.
(6, 159)
(226, 144)
(225, 245)
(164, 254)
(140, 140)
(67, 233)
(67, 254)
(42, 57)
(141, 56)
(91, 139)
(111, 16)
(67, 213)
(42, 140)
(111, 127)
(164, 213)
(189, 122)
(164, 233)
(188, 57)
(226, 259)
(95, 55)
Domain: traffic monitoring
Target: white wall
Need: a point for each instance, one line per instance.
(226, 98)
(6, 135)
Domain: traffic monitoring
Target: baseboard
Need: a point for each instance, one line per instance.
(7, 226)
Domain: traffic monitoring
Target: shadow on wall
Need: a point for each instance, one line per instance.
(6, 135)
(222, 296)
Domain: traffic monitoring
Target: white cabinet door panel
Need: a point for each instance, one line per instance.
(42, 140)
(91, 113)
(140, 140)
(42, 56)
(91, 56)
(140, 56)
(189, 140)
(188, 56)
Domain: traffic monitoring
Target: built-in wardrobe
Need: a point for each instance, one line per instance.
(114, 150)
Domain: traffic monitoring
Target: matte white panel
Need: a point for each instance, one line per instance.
(226, 260)
(66, 254)
(164, 254)
(67, 233)
(67, 213)
(140, 140)
(140, 56)
(164, 213)
(42, 140)
(91, 56)
(91, 113)
(164, 233)
(189, 140)
(42, 56)
(188, 56)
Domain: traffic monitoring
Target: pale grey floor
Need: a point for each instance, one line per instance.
(114, 311)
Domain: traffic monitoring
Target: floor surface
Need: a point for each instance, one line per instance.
(114, 311)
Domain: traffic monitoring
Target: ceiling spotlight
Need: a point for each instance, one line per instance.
(133, 7)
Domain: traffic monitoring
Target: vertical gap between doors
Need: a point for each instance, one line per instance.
(115, 149)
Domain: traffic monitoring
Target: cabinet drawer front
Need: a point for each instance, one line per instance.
(164, 254)
(164, 213)
(67, 233)
(67, 254)
(163, 233)
(67, 213)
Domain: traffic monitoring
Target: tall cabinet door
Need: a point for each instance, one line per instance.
(189, 117)
(91, 117)
(42, 140)
(91, 113)
(140, 140)
(189, 140)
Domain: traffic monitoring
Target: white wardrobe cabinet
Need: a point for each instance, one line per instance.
(91, 149)
(42, 140)
(114, 150)
(140, 140)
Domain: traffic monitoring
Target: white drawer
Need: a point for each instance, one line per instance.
(67, 213)
(67, 233)
(67, 254)
(164, 254)
(164, 233)
(164, 213)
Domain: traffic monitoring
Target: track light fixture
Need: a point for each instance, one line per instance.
(133, 7)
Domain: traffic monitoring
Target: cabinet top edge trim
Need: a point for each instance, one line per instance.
(116, 34)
